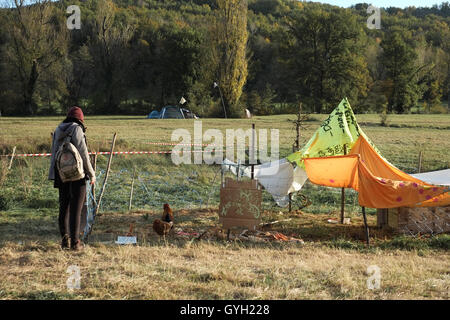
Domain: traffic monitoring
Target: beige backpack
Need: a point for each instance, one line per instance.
(69, 162)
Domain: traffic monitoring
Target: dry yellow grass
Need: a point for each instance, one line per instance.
(36, 268)
(225, 271)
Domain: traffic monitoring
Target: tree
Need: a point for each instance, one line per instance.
(434, 100)
(38, 44)
(399, 61)
(326, 60)
(446, 69)
(230, 51)
(110, 49)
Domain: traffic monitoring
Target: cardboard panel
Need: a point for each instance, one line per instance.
(240, 204)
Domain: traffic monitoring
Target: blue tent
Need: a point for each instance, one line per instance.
(168, 112)
(153, 115)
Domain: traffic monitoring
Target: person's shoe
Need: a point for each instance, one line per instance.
(65, 245)
(77, 245)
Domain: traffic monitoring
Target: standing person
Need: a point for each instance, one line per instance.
(71, 194)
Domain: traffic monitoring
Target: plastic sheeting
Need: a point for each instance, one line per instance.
(279, 177)
(440, 177)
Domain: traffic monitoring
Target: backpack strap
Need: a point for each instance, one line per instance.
(68, 138)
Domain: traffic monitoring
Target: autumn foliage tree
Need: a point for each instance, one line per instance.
(231, 52)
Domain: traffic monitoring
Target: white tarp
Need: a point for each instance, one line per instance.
(279, 177)
(440, 177)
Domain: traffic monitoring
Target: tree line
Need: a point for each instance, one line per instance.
(134, 56)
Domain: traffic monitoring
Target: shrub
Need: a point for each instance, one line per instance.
(438, 109)
(5, 203)
(384, 117)
(37, 203)
(406, 243)
(441, 241)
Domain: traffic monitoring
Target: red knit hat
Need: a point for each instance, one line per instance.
(77, 113)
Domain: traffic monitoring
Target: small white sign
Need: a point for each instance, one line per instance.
(126, 240)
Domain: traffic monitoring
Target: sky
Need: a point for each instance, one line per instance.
(384, 3)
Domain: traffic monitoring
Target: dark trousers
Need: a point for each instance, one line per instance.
(72, 196)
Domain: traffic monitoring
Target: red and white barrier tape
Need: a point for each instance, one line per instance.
(178, 144)
(103, 153)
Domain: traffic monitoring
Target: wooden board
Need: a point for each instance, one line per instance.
(240, 204)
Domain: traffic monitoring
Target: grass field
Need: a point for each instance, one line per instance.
(332, 264)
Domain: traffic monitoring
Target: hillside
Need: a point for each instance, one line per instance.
(151, 53)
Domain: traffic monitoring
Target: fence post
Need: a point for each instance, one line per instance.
(252, 154)
(94, 166)
(290, 202)
(419, 166)
(12, 157)
(106, 175)
(131, 192)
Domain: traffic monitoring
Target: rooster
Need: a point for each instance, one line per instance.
(168, 213)
(163, 226)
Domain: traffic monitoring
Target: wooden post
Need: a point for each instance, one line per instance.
(290, 202)
(366, 227)
(94, 166)
(297, 127)
(252, 154)
(106, 175)
(12, 157)
(343, 194)
(419, 166)
(131, 192)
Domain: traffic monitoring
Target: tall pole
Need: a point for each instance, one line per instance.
(94, 166)
(12, 158)
(290, 202)
(366, 227)
(419, 166)
(132, 188)
(106, 175)
(343, 194)
(252, 153)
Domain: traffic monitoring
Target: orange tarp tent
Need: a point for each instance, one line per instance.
(379, 184)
